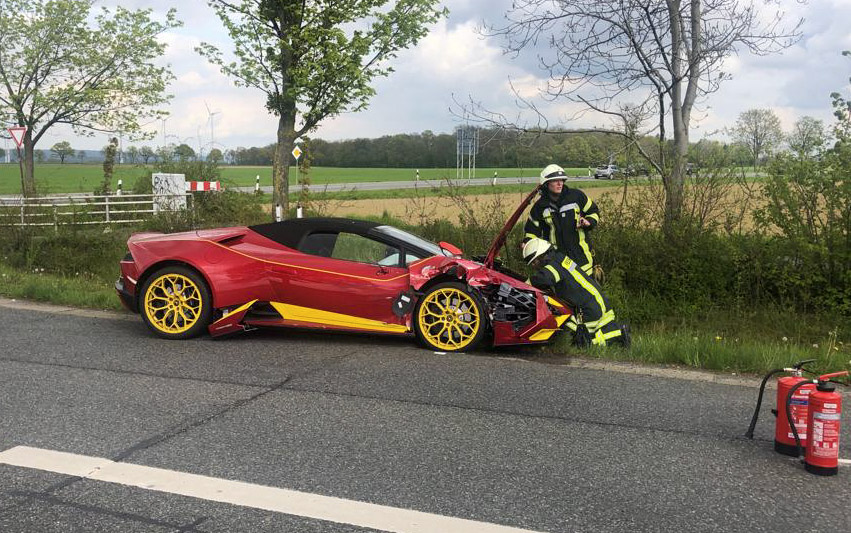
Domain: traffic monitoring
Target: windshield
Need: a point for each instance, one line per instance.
(418, 242)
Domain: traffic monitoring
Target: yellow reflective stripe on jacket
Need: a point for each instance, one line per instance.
(568, 264)
(595, 216)
(584, 245)
(531, 236)
(555, 273)
(588, 205)
(551, 228)
(534, 222)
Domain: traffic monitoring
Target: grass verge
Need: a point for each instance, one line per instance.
(717, 341)
(84, 291)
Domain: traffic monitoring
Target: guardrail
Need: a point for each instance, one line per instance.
(60, 210)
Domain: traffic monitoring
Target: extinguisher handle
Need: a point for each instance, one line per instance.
(826, 377)
(800, 364)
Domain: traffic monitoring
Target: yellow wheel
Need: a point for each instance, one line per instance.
(176, 303)
(450, 318)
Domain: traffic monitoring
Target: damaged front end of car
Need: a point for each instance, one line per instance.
(518, 313)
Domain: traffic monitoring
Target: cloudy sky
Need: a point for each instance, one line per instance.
(454, 61)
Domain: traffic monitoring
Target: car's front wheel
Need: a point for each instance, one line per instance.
(450, 317)
(176, 303)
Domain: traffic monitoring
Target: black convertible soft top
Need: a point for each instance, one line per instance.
(289, 232)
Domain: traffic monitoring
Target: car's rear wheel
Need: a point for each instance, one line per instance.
(176, 303)
(450, 317)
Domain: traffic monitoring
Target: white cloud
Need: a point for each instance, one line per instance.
(454, 62)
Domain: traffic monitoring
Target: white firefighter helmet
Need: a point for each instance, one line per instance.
(552, 172)
(534, 248)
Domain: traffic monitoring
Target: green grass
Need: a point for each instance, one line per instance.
(741, 344)
(78, 291)
(55, 178)
(702, 349)
(52, 178)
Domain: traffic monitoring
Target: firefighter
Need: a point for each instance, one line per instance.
(563, 216)
(593, 320)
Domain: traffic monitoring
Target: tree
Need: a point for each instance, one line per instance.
(664, 54)
(62, 150)
(215, 156)
(62, 64)
(808, 137)
(184, 152)
(314, 59)
(109, 153)
(147, 153)
(132, 154)
(759, 131)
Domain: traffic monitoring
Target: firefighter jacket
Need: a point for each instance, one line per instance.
(555, 221)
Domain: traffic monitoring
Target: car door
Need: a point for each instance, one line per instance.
(344, 280)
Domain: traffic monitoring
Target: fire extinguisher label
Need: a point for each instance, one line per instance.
(825, 435)
(799, 416)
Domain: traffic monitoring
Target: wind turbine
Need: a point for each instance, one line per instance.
(210, 116)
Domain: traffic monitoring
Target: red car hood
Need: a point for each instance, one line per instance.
(498, 243)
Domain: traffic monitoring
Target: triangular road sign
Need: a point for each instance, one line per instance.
(17, 133)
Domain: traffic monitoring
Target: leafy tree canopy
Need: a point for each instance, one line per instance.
(314, 59)
(62, 63)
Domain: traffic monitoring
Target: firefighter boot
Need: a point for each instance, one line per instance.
(625, 338)
(582, 338)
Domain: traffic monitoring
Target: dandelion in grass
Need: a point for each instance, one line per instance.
(815, 345)
(717, 338)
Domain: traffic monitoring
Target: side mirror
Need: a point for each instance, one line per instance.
(451, 248)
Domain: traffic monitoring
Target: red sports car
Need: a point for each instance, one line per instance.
(331, 273)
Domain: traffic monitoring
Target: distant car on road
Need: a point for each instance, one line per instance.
(633, 170)
(606, 172)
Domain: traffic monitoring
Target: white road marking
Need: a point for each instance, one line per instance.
(845, 461)
(291, 502)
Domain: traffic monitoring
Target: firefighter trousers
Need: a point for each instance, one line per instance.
(591, 307)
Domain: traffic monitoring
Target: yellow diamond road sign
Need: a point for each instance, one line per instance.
(296, 152)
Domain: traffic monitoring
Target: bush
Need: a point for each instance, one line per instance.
(95, 250)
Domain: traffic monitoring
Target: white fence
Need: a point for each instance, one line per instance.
(78, 209)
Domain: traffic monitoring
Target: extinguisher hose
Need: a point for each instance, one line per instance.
(789, 414)
(749, 432)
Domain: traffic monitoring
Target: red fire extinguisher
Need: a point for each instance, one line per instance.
(822, 454)
(793, 393)
(784, 439)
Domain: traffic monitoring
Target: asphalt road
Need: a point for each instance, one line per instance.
(485, 436)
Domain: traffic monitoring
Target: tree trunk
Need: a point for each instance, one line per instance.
(281, 161)
(674, 181)
(27, 170)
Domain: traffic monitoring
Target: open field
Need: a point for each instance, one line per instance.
(54, 178)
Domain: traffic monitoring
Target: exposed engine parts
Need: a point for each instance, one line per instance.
(512, 305)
